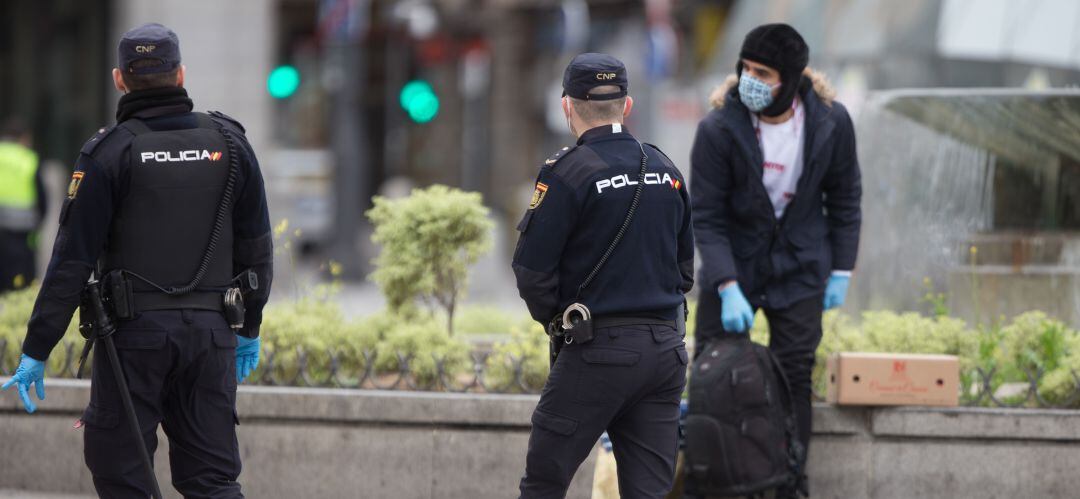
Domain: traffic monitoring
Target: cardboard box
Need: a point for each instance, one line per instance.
(893, 379)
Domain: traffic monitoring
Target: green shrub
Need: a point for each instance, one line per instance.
(486, 319)
(15, 309)
(316, 327)
(429, 239)
(422, 340)
(319, 328)
(1037, 344)
(528, 345)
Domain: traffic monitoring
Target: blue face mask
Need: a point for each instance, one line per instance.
(754, 93)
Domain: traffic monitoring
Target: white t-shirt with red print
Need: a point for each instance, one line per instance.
(782, 148)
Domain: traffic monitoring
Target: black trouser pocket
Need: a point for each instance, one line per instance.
(219, 373)
(554, 423)
(605, 374)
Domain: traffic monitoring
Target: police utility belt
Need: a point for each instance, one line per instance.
(123, 302)
(577, 325)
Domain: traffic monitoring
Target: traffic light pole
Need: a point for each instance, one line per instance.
(352, 163)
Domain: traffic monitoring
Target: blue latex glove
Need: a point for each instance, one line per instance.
(247, 356)
(836, 291)
(735, 312)
(30, 372)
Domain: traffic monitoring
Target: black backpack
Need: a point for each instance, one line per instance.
(740, 427)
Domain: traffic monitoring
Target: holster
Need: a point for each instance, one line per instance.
(555, 339)
(95, 319)
(119, 296)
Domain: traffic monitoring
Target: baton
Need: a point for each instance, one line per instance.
(106, 330)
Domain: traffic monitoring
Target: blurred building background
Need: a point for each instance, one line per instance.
(344, 99)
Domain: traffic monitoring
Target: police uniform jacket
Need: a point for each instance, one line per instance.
(581, 198)
(98, 188)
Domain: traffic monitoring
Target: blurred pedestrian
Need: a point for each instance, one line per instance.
(776, 195)
(168, 209)
(605, 256)
(22, 205)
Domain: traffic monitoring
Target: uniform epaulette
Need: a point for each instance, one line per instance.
(662, 153)
(560, 154)
(96, 140)
(230, 119)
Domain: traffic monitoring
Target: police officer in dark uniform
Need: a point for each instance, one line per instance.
(604, 258)
(166, 208)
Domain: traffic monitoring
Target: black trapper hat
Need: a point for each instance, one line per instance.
(780, 47)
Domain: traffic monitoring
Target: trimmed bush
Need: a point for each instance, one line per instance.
(429, 239)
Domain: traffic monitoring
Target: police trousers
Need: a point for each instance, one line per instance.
(181, 371)
(627, 381)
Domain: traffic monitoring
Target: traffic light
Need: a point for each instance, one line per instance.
(419, 100)
(283, 81)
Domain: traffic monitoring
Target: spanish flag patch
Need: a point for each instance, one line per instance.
(538, 195)
(73, 187)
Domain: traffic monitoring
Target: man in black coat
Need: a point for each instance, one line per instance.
(775, 188)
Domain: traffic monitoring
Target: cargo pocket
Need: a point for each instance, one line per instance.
(602, 378)
(554, 423)
(143, 354)
(683, 356)
(99, 417)
(219, 372)
(610, 357)
(224, 338)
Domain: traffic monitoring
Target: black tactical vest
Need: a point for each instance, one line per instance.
(163, 225)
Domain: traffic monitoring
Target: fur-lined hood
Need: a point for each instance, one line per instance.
(822, 88)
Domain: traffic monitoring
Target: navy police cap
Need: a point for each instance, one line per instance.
(590, 70)
(149, 41)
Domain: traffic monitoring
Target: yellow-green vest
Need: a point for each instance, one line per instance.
(18, 187)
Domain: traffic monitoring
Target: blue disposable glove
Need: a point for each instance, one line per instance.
(30, 372)
(735, 312)
(836, 290)
(247, 356)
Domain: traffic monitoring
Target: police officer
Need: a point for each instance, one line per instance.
(161, 197)
(623, 364)
(22, 205)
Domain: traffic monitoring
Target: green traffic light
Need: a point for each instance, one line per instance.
(412, 89)
(418, 99)
(283, 81)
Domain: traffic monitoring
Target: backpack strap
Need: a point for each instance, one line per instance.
(796, 452)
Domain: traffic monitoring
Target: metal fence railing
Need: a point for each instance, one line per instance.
(481, 372)
(485, 372)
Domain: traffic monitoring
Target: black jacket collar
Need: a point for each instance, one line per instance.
(603, 132)
(153, 102)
